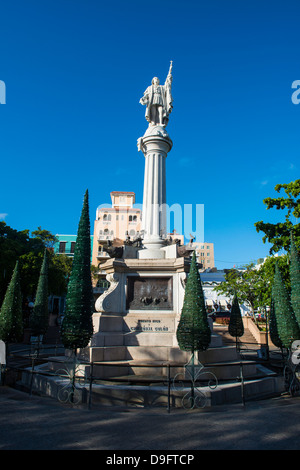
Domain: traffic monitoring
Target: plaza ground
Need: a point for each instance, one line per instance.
(41, 423)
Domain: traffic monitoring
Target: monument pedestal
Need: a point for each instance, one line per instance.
(143, 302)
(137, 317)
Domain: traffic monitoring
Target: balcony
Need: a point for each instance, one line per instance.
(102, 238)
(67, 251)
(102, 254)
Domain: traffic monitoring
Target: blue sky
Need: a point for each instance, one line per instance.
(74, 72)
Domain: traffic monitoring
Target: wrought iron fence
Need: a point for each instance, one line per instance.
(76, 386)
(194, 397)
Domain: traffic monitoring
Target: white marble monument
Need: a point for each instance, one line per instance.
(155, 145)
(137, 317)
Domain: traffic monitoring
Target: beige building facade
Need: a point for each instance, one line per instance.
(121, 221)
(205, 254)
(115, 223)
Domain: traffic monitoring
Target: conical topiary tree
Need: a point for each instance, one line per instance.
(77, 325)
(236, 326)
(274, 335)
(11, 322)
(39, 319)
(193, 332)
(295, 279)
(288, 329)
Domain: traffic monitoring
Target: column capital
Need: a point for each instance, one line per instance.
(155, 139)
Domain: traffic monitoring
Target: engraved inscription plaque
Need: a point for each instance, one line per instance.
(149, 293)
(162, 325)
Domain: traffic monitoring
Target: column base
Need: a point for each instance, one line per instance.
(152, 250)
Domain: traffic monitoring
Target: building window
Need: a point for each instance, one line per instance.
(72, 247)
(207, 247)
(106, 217)
(122, 199)
(103, 283)
(62, 247)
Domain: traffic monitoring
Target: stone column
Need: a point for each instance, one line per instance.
(155, 145)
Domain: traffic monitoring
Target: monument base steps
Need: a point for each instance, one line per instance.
(133, 395)
(137, 374)
(158, 353)
(118, 361)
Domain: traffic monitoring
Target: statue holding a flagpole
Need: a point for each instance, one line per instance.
(158, 100)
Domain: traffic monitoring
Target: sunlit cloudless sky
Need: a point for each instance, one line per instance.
(74, 72)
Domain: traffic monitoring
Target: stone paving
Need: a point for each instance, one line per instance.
(38, 423)
(42, 423)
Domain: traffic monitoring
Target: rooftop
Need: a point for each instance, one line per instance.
(123, 192)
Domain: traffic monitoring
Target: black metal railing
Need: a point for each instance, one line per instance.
(76, 386)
